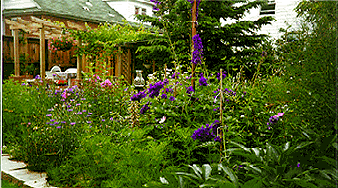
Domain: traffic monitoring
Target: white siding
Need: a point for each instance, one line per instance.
(127, 8)
(284, 12)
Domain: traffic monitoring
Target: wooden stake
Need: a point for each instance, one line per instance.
(42, 53)
(193, 33)
(16, 53)
(221, 100)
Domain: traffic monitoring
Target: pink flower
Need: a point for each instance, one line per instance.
(280, 114)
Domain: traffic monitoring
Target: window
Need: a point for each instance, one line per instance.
(144, 11)
(268, 8)
(136, 10)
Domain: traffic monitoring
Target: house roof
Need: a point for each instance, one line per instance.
(84, 10)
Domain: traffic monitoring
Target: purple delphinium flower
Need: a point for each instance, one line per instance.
(171, 98)
(49, 115)
(198, 50)
(52, 120)
(58, 127)
(154, 90)
(103, 120)
(223, 75)
(63, 121)
(175, 75)
(111, 119)
(37, 77)
(273, 119)
(137, 97)
(203, 81)
(164, 96)
(69, 110)
(23, 84)
(89, 122)
(190, 89)
(145, 108)
(79, 113)
(298, 165)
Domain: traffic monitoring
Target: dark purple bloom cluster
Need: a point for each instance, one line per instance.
(138, 96)
(198, 50)
(190, 89)
(175, 75)
(171, 98)
(145, 108)
(164, 96)
(154, 90)
(203, 81)
(230, 91)
(207, 133)
(223, 75)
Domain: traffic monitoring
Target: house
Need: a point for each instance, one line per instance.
(129, 8)
(282, 10)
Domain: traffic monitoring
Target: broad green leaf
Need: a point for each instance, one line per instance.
(286, 147)
(254, 183)
(229, 172)
(303, 144)
(335, 145)
(197, 170)
(187, 174)
(241, 146)
(207, 171)
(304, 183)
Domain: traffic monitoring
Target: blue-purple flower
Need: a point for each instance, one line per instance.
(198, 50)
(137, 97)
(171, 98)
(223, 75)
(190, 89)
(145, 108)
(164, 96)
(175, 75)
(203, 81)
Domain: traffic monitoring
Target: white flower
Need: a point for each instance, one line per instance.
(162, 119)
(242, 116)
(287, 91)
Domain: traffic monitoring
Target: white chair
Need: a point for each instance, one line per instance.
(72, 72)
(55, 69)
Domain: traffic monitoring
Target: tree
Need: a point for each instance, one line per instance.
(219, 42)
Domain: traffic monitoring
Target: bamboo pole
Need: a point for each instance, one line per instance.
(42, 53)
(16, 53)
(193, 33)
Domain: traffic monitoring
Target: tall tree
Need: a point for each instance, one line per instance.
(227, 46)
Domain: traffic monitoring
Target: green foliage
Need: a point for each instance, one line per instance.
(174, 19)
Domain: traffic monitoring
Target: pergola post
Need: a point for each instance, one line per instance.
(118, 71)
(16, 53)
(42, 53)
(79, 62)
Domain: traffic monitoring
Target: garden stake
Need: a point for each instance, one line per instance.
(193, 33)
(221, 111)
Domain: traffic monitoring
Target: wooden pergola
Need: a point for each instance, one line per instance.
(45, 30)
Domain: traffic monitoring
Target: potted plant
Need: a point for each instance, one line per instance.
(61, 44)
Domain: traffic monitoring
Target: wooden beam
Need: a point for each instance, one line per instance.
(16, 53)
(76, 26)
(42, 53)
(45, 23)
